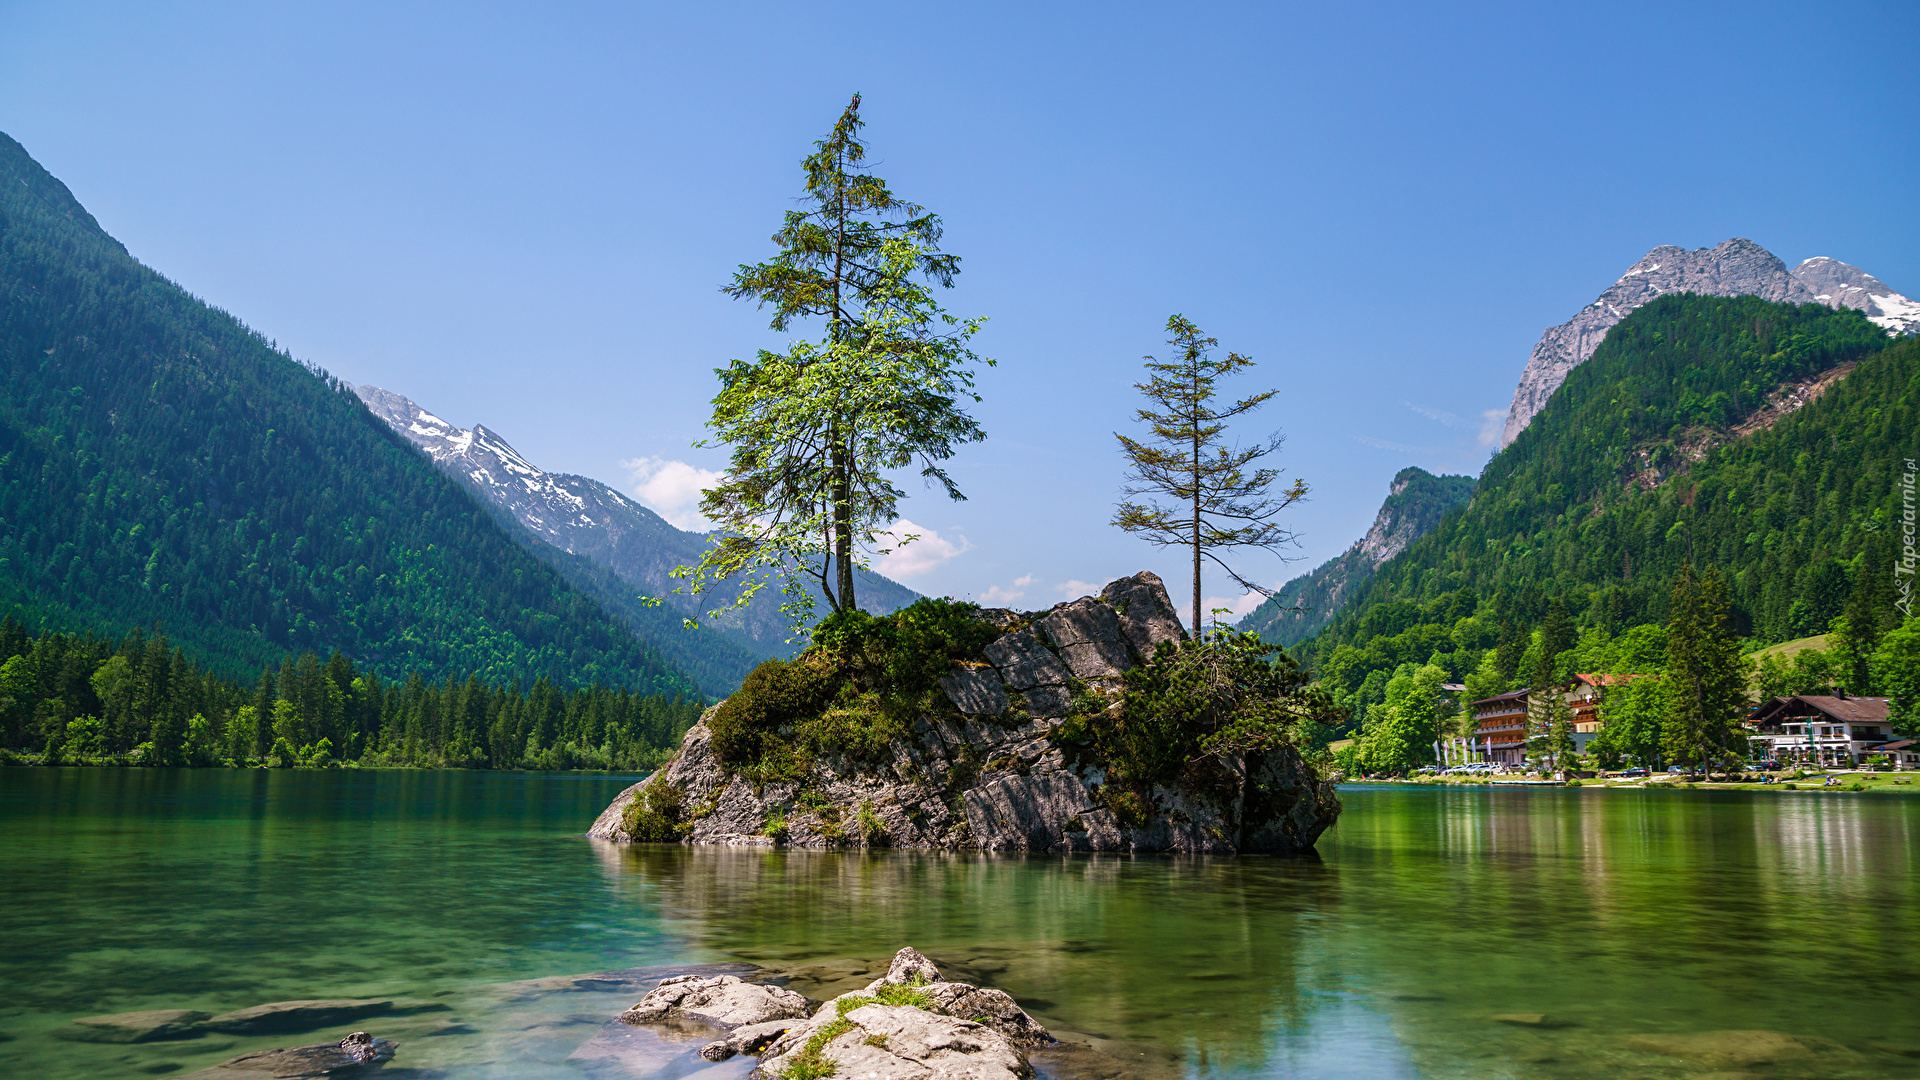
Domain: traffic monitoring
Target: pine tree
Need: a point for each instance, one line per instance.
(1706, 678)
(815, 430)
(1220, 494)
(838, 259)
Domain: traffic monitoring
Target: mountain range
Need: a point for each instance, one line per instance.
(586, 518)
(1736, 267)
(162, 463)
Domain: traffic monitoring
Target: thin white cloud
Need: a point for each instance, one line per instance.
(672, 489)
(914, 550)
(999, 597)
(1077, 589)
(1400, 448)
(1432, 413)
(1241, 606)
(1493, 422)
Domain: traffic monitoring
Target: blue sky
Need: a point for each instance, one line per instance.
(520, 216)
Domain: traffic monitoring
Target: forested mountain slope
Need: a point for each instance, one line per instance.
(159, 461)
(1416, 502)
(1712, 429)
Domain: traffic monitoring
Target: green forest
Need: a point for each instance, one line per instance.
(1634, 470)
(162, 463)
(86, 700)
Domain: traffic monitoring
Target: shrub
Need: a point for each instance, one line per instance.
(1222, 695)
(855, 691)
(654, 815)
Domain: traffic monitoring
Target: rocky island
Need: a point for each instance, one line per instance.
(1095, 726)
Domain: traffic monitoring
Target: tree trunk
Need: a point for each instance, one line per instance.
(842, 525)
(1197, 630)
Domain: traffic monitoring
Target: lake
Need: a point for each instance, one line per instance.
(1613, 916)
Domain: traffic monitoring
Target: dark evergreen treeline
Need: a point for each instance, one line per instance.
(160, 462)
(1632, 470)
(139, 700)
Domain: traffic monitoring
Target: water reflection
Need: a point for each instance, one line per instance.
(1582, 917)
(1428, 915)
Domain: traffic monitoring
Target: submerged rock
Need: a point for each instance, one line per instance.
(996, 767)
(151, 1025)
(1740, 1049)
(281, 1017)
(357, 1053)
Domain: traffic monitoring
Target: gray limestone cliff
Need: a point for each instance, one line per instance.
(1737, 267)
(993, 772)
(1416, 501)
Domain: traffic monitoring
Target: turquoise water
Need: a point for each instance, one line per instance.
(1426, 914)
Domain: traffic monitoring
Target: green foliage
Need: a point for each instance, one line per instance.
(1399, 737)
(1797, 514)
(854, 691)
(146, 692)
(1896, 668)
(1631, 719)
(1226, 694)
(656, 813)
(908, 651)
(159, 461)
(817, 430)
(1706, 677)
(1220, 497)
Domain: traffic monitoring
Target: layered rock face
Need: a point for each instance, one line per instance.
(1735, 268)
(993, 778)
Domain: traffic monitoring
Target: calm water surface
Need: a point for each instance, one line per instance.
(1427, 913)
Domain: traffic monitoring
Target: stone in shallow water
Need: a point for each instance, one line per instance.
(1740, 1048)
(356, 1054)
(900, 1042)
(723, 1001)
(1529, 1020)
(660, 1051)
(279, 1017)
(150, 1025)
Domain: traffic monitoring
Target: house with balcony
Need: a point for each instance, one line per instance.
(1500, 727)
(1821, 731)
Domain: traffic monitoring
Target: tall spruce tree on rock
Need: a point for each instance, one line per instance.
(1220, 494)
(816, 429)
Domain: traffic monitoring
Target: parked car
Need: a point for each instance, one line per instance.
(1636, 771)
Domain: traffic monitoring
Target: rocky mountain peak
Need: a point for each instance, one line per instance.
(1840, 285)
(1737, 267)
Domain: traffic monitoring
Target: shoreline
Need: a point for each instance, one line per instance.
(1851, 782)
